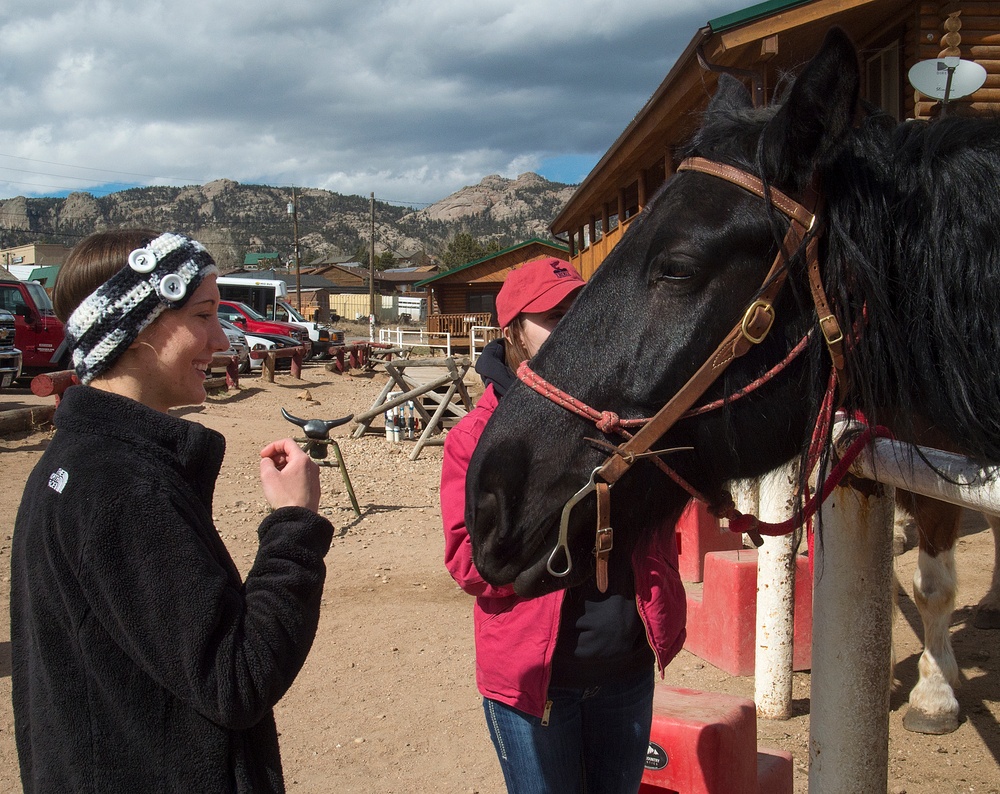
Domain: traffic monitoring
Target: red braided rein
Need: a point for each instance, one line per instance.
(753, 385)
(606, 421)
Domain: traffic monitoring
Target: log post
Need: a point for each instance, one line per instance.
(852, 632)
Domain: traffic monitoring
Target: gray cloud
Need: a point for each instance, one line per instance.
(412, 100)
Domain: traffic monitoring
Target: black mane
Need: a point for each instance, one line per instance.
(913, 260)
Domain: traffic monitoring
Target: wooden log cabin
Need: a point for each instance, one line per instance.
(760, 45)
(465, 296)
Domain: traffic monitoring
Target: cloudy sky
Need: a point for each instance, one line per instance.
(411, 99)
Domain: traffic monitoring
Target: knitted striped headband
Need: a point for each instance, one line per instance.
(161, 275)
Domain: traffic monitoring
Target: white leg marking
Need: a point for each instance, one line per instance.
(934, 594)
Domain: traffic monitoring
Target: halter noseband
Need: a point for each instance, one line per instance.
(751, 330)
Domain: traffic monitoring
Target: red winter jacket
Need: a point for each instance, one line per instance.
(516, 637)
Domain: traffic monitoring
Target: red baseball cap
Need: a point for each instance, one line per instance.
(536, 286)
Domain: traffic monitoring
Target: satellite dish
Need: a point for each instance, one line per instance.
(930, 77)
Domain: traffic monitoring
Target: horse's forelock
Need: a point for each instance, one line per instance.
(729, 135)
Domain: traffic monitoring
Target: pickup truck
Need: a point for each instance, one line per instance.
(40, 333)
(321, 336)
(249, 321)
(10, 356)
(268, 297)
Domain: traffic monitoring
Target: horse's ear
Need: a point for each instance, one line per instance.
(730, 94)
(816, 116)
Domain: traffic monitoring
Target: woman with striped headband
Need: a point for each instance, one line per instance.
(141, 660)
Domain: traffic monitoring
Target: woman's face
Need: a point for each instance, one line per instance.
(537, 326)
(169, 360)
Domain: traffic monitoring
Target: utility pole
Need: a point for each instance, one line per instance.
(371, 266)
(293, 210)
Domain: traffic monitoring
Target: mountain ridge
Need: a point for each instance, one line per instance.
(233, 219)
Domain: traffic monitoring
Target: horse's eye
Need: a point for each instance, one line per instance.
(674, 268)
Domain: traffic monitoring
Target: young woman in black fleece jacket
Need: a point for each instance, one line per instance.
(141, 661)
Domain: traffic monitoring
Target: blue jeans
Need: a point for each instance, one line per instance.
(595, 741)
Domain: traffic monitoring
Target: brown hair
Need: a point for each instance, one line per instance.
(514, 350)
(93, 261)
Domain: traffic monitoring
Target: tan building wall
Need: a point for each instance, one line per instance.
(35, 254)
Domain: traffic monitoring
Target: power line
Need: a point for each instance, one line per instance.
(38, 184)
(88, 168)
(44, 173)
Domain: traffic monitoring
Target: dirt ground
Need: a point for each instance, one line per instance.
(387, 701)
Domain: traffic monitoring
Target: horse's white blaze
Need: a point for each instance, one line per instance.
(934, 586)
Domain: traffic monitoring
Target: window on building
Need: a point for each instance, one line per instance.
(882, 80)
(631, 200)
(655, 177)
(481, 302)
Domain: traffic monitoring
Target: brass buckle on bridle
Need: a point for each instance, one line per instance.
(748, 318)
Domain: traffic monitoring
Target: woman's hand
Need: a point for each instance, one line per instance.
(288, 476)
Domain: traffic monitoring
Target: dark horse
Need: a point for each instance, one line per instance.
(908, 225)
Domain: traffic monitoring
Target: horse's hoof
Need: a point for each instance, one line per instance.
(917, 721)
(986, 618)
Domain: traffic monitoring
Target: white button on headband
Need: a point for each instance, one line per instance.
(142, 260)
(172, 287)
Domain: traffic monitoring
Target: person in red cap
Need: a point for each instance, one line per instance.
(566, 678)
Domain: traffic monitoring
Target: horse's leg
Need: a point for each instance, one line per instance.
(987, 614)
(933, 707)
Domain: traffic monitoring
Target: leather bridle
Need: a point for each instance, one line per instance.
(752, 329)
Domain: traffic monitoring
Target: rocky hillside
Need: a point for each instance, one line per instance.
(234, 219)
(528, 202)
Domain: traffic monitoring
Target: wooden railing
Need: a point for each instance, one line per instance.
(590, 258)
(456, 324)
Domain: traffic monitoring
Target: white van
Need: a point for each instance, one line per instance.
(269, 297)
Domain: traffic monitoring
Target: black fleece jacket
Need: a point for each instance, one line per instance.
(141, 661)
